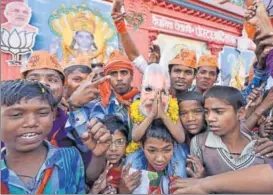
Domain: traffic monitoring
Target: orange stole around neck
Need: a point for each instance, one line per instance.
(105, 93)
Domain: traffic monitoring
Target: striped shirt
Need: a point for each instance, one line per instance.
(67, 176)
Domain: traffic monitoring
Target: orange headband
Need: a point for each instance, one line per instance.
(118, 60)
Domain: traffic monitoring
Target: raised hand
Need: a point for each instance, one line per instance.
(154, 110)
(255, 98)
(117, 5)
(160, 109)
(195, 168)
(264, 44)
(129, 182)
(102, 182)
(97, 138)
(264, 147)
(86, 92)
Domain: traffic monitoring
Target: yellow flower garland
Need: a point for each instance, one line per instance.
(137, 117)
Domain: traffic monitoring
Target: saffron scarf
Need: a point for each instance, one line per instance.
(105, 94)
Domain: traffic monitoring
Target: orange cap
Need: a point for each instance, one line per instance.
(118, 60)
(41, 60)
(82, 60)
(186, 58)
(208, 60)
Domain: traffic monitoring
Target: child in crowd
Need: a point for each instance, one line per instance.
(155, 103)
(191, 111)
(225, 147)
(30, 165)
(110, 179)
(158, 146)
(116, 152)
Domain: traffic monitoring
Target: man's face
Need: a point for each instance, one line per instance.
(18, 15)
(74, 80)
(99, 73)
(220, 116)
(26, 124)
(117, 149)
(181, 77)
(84, 39)
(121, 80)
(206, 77)
(154, 84)
(192, 116)
(49, 78)
(158, 153)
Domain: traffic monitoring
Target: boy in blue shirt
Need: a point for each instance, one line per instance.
(28, 163)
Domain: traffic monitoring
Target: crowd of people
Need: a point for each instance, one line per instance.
(85, 129)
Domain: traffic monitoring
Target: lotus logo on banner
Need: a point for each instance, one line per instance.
(17, 36)
(17, 43)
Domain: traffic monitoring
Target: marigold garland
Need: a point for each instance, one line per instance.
(137, 117)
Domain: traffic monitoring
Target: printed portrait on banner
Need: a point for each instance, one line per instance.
(17, 35)
(75, 28)
(235, 66)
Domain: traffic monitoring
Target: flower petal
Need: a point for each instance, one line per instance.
(30, 39)
(22, 35)
(14, 39)
(5, 37)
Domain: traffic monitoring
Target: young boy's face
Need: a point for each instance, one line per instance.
(25, 125)
(50, 78)
(74, 80)
(117, 149)
(158, 153)
(191, 116)
(220, 116)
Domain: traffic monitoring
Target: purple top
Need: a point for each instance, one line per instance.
(269, 62)
(58, 125)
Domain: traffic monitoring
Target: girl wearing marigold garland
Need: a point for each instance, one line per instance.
(155, 103)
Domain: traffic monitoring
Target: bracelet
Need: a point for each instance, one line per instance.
(121, 27)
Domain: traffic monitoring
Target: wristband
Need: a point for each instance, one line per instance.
(121, 27)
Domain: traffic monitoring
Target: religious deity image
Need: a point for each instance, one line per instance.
(82, 31)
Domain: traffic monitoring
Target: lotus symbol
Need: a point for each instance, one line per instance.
(17, 42)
